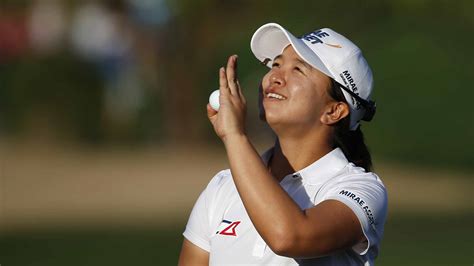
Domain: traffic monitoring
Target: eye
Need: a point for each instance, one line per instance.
(275, 64)
(299, 70)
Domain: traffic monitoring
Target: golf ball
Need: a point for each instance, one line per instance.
(214, 100)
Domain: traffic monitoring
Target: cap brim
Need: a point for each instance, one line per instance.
(271, 39)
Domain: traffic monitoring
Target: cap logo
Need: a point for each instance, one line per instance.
(316, 36)
(349, 82)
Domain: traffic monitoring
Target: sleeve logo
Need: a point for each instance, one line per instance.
(227, 228)
(361, 202)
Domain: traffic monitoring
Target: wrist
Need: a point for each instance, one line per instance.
(234, 138)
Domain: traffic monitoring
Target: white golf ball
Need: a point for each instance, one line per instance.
(214, 100)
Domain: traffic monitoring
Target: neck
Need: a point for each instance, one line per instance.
(293, 154)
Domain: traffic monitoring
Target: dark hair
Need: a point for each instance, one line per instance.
(350, 142)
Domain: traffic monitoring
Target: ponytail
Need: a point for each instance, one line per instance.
(350, 142)
(354, 148)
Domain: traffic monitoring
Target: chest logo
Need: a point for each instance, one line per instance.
(227, 228)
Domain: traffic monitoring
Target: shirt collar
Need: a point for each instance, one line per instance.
(319, 171)
(325, 168)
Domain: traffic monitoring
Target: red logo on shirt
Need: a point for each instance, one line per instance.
(229, 229)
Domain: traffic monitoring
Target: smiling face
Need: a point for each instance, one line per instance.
(294, 94)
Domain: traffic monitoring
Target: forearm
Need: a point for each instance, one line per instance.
(263, 197)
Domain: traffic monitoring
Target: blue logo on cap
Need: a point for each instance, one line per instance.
(316, 36)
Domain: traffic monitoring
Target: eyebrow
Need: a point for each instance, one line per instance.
(297, 59)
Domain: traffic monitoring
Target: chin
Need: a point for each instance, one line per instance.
(273, 120)
(284, 121)
(274, 115)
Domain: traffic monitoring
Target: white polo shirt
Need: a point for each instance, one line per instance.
(220, 224)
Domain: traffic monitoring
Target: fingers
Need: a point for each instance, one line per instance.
(231, 71)
(228, 80)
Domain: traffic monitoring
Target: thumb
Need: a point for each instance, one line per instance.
(210, 112)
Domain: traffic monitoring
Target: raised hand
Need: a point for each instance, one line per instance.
(230, 119)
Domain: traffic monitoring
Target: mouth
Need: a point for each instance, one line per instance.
(273, 95)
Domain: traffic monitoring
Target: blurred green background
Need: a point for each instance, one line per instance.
(105, 144)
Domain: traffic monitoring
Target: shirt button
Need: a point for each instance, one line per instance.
(295, 176)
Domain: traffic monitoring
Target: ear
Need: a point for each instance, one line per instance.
(334, 112)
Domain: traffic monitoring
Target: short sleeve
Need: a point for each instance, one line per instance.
(198, 228)
(366, 196)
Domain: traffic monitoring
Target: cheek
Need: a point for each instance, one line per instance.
(307, 103)
(303, 106)
(302, 94)
(266, 80)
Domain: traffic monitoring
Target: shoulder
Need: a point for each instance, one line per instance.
(220, 179)
(220, 184)
(357, 176)
(353, 185)
(365, 194)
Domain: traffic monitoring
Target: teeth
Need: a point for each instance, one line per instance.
(274, 95)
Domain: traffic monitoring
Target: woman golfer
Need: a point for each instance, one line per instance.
(311, 199)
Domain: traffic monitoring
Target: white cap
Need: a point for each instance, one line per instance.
(326, 50)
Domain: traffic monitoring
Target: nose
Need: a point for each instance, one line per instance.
(276, 78)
